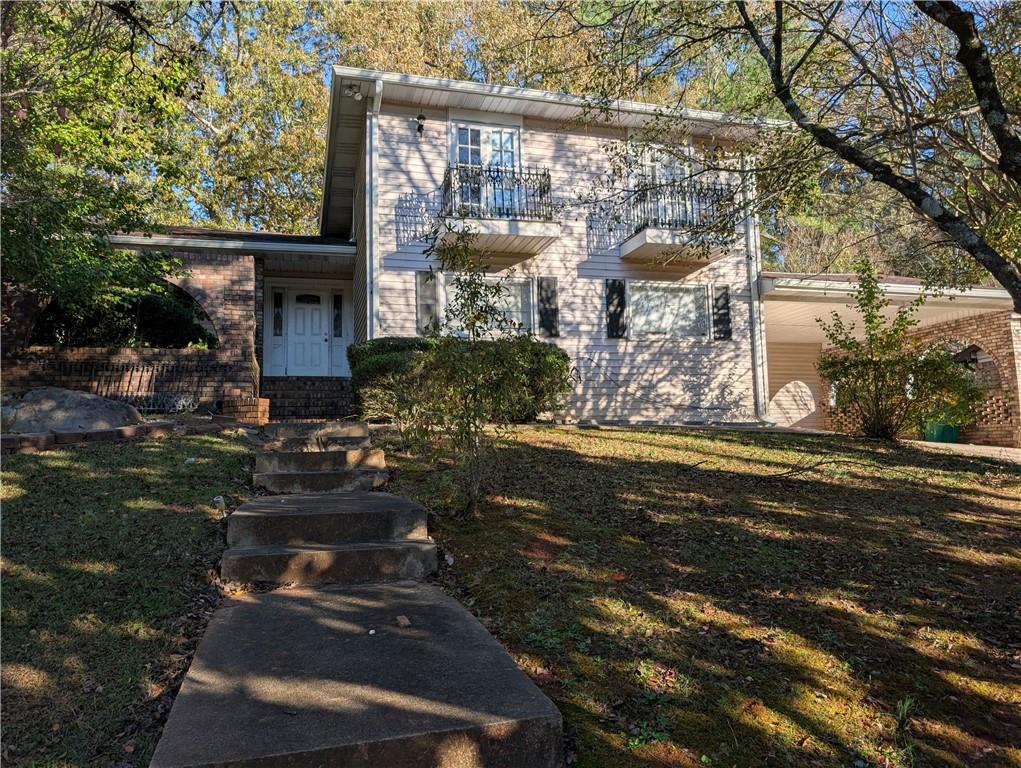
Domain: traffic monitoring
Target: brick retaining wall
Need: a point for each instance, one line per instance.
(131, 374)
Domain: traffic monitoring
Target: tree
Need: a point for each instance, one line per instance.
(890, 384)
(91, 92)
(907, 99)
(253, 144)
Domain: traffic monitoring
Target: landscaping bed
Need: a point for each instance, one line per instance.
(749, 599)
(109, 557)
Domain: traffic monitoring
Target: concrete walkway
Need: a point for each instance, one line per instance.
(967, 449)
(370, 669)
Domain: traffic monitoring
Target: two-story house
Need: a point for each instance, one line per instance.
(660, 328)
(664, 322)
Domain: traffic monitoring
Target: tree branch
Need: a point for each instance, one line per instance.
(974, 57)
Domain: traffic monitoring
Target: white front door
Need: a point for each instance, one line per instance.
(309, 334)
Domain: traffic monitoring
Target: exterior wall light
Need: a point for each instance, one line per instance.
(355, 92)
(421, 123)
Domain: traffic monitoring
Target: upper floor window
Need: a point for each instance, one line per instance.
(487, 145)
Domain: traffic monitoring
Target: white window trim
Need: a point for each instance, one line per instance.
(629, 310)
(444, 280)
(484, 126)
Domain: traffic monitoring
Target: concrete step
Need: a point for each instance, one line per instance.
(305, 461)
(329, 481)
(317, 443)
(327, 518)
(293, 678)
(359, 563)
(316, 429)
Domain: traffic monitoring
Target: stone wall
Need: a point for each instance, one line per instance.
(998, 334)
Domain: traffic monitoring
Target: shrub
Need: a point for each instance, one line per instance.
(889, 384)
(388, 374)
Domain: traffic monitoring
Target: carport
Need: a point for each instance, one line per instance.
(979, 319)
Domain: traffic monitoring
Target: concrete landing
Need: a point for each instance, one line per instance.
(293, 678)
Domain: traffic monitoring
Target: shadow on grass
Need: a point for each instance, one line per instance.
(105, 551)
(714, 615)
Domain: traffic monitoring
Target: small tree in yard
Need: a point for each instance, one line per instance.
(470, 392)
(889, 383)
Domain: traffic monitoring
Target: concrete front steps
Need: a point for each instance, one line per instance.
(337, 538)
(370, 671)
(318, 457)
(393, 675)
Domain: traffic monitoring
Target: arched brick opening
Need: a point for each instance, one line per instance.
(989, 344)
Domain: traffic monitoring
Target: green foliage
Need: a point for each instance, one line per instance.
(889, 383)
(90, 96)
(395, 378)
(166, 320)
(478, 372)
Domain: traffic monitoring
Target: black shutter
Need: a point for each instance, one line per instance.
(549, 312)
(721, 313)
(616, 324)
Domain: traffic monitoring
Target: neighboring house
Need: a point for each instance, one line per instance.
(683, 342)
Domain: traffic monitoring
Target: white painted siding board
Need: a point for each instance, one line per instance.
(690, 379)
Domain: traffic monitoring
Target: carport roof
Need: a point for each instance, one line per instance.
(792, 303)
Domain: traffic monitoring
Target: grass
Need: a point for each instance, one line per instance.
(688, 600)
(105, 555)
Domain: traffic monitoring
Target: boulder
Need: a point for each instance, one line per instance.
(51, 409)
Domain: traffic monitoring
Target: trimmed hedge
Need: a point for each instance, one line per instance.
(381, 362)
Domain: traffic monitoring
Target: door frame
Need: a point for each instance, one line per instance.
(290, 286)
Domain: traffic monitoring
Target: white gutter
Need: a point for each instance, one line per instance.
(371, 208)
(791, 286)
(754, 265)
(551, 98)
(231, 244)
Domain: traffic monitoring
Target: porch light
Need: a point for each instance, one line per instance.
(421, 123)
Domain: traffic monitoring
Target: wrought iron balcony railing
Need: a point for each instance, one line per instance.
(493, 192)
(698, 206)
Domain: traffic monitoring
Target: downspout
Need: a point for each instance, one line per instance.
(371, 208)
(754, 264)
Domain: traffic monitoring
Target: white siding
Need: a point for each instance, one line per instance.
(618, 379)
(795, 390)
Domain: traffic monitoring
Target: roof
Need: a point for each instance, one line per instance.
(212, 239)
(213, 233)
(841, 277)
(793, 303)
(466, 94)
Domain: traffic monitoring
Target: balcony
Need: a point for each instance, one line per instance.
(509, 210)
(681, 222)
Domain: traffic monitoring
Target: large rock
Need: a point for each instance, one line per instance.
(52, 409)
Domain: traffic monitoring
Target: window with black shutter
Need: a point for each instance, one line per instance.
(616, 303)
(721, 313)
(549, 312)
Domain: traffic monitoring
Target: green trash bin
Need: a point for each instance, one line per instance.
(940, 432)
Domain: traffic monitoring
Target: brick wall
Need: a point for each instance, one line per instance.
(134, 374)
(224, 285)
(998, 334)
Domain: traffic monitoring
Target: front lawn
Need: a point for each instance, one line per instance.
(105, 555)
(687, 599)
